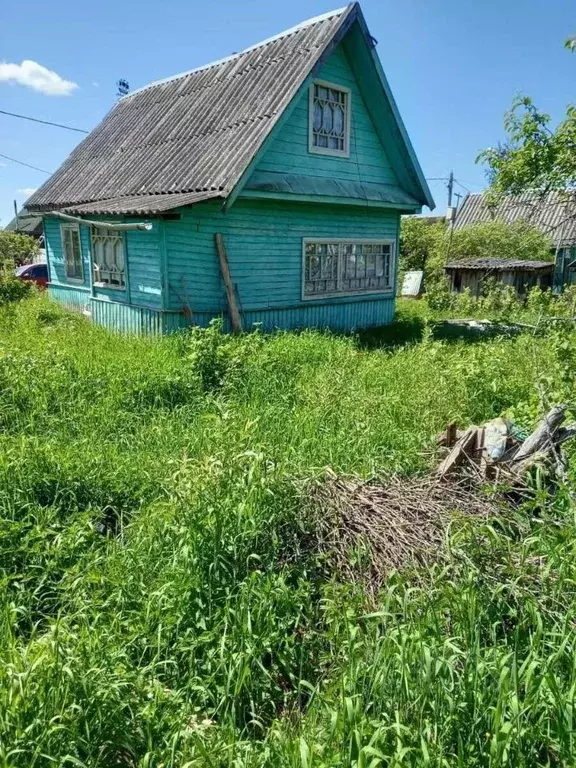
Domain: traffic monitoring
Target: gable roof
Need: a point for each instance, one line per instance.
(551, 214)
(193, 137)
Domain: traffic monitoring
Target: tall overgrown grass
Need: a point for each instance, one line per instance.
(159, 606)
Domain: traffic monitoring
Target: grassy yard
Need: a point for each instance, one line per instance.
(158, 607)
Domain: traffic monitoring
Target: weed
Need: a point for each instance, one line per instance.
(158, 605)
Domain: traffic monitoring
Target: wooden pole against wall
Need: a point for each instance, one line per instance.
(233, 311)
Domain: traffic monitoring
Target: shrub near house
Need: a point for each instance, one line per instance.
(430, 246)
(15, 249)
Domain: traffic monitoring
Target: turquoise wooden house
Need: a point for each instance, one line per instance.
(266, 187)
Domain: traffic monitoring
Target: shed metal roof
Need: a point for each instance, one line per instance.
(25, 224)
(196, 133)
(501, 265)
(551, 214)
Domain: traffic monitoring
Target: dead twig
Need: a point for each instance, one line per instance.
(365, 529)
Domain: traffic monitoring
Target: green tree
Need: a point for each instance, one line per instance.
(534, 157)
(419, 241)
(429, 246)
(16, 249)
(498, 240)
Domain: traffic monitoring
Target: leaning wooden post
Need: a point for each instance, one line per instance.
(233, 311)
(542, 439)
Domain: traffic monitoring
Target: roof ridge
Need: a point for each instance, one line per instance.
(232, 57)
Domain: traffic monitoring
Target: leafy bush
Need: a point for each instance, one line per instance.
(216, 358)
(420, 240)
(16, 249)
(12, 288)
(496, 239)
(498, 299)
(439, 294)
(429, 246)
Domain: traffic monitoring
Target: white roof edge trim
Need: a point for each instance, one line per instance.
(285, 33)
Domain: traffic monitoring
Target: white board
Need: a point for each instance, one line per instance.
(412, 284)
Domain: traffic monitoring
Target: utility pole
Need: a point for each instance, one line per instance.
(449, 210)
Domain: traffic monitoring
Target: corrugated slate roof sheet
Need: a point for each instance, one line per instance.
(550, 214)
(500, 265)
(25, 225)
(140, 204)
(193, 133)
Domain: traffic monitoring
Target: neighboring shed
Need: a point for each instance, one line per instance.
(520, 275)
(272, 182)
(553, 214)
(25, 224)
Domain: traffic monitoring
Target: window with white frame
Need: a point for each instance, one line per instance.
(72, 249)
(329, 132)
(333, 268)
(108, 258)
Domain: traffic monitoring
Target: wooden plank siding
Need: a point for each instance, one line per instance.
(264, 242)
(143, 259)
(368, 161)
(520, 280)
(71, 297)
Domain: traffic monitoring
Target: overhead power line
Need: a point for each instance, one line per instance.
(44, 122)
(464, 187)
(14, 160)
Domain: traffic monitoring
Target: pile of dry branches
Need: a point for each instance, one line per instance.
(365, 529)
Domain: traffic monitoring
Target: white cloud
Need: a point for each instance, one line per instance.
(27, 191)
(95, 84)
(37, 77)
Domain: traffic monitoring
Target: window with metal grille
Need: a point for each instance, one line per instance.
(344, 267)
(108, 258)
(329, 119)
(71, 246)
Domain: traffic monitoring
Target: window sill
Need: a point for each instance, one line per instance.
(345, 154)
(109, 287)
(384, 292)
(75, 280)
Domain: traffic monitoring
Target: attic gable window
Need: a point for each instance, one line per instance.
(72, 251)
(108, 258)
(329, 130)
(347, 267)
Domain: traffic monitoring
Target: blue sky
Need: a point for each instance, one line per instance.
(454, 67)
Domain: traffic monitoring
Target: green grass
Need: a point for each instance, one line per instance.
(158, 606)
